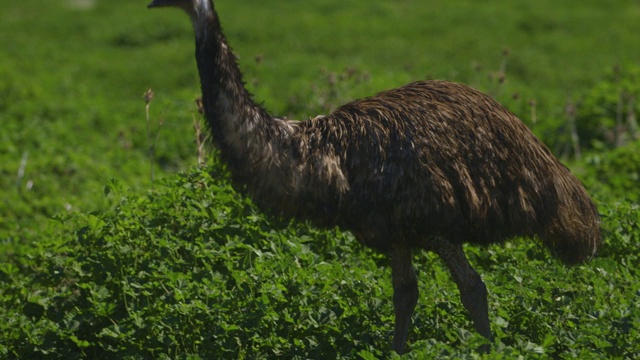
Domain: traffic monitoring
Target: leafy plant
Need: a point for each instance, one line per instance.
(607, 116)
(190, 269)
(193, 270)
(614, 175)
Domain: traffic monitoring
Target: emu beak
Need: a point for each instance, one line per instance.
(159, 3)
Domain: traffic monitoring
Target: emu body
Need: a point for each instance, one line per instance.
(430, 165)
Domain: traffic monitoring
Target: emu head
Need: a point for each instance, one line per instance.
(198, 10)
(186, 5)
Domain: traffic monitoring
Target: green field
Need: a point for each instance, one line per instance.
(115, 244)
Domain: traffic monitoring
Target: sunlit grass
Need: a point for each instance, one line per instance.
(183, 266)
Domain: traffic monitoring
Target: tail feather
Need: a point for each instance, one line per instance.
(573, 234)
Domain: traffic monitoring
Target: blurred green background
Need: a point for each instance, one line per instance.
(72, 75)
(73, 117)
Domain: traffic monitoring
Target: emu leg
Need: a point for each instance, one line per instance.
(473, 292)
(405, 294)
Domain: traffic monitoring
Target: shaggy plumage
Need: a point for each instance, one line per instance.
(429, 166)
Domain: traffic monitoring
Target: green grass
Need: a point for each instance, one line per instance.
(184, 267)
(193, 270)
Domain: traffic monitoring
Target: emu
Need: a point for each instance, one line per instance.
(429, 165)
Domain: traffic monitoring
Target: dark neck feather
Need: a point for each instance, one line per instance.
(264, 154)
(235, 121)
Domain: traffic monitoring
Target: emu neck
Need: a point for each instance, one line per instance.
(264, 154)
(234, 120)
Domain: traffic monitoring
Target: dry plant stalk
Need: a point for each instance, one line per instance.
(200, 136)
(570, 111)
(148, 96)
(631, 118)
(151, 141)
(534, 117)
